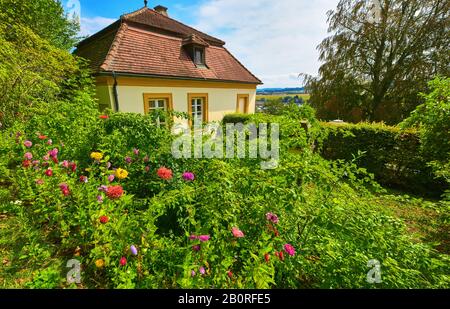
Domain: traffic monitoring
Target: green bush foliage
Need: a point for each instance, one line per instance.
(228, 225)
(432, 119)
(392, 154)
(236, 118)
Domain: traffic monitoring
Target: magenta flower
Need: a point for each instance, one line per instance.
(193, 237)
(237, 232)
(36, 162)
(63, 186)
(196, 248)
(28, 156)
(65, 164)
(53, 153)
(192, 273)
(204, 238)
(188, 176)
(46, 158)
(272, 217)
(136, 151)
(111, 178)
(289, 249)
(202, 270)
(100, 199)
(133, 250)
(128, 160)
(84, 179)
(28, 144)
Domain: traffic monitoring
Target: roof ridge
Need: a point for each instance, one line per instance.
(114, 46)
(128, 15)
(242, 65)
(190, 27)
(132, 14)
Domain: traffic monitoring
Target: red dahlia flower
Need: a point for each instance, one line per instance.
(114, 192)
(49, 172)
(104, 117)
(104, 219)
(26, 163)
(123, 261)
(165, 173)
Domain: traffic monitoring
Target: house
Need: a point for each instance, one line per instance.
(147, 61)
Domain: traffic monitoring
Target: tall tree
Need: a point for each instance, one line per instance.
(379, 55)
(46, 18)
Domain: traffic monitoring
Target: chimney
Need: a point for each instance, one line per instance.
(161, 10)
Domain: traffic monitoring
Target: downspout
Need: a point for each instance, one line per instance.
(116, 96)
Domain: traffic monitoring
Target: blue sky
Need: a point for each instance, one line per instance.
(276, 40)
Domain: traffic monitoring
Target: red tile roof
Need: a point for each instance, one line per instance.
(134, 45)
(152, 18)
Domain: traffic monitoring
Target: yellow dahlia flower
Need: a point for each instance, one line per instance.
(100, 263)
(96, 156)
(121, 173)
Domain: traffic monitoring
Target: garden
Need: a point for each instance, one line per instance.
(96, 200)
(110, 195)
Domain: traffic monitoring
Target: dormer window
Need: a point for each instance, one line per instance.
(199, 55)
(196, 48)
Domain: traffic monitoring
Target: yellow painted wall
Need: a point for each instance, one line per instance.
(222, 96)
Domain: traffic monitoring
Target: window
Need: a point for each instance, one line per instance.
(242, 103)
(156, 103)
(198, 108)
(199, 56)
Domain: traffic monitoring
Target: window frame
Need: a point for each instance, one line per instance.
(205, 106)
(203, 56)
(246, 105)
(157, 96)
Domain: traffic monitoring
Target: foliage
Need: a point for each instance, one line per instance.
(322, 209)
(236, 118)
(37, 77)
(45, 17)
(392, 154)
(432, 119)
(373, 69)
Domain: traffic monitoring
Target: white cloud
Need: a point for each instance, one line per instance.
(272, 38)
(92, 25)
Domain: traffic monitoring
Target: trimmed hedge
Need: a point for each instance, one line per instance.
(236, 118)
(391, 154)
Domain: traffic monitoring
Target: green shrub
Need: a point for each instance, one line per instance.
(433, 121)
(392, 154)
(236, 118)
(323, 210)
